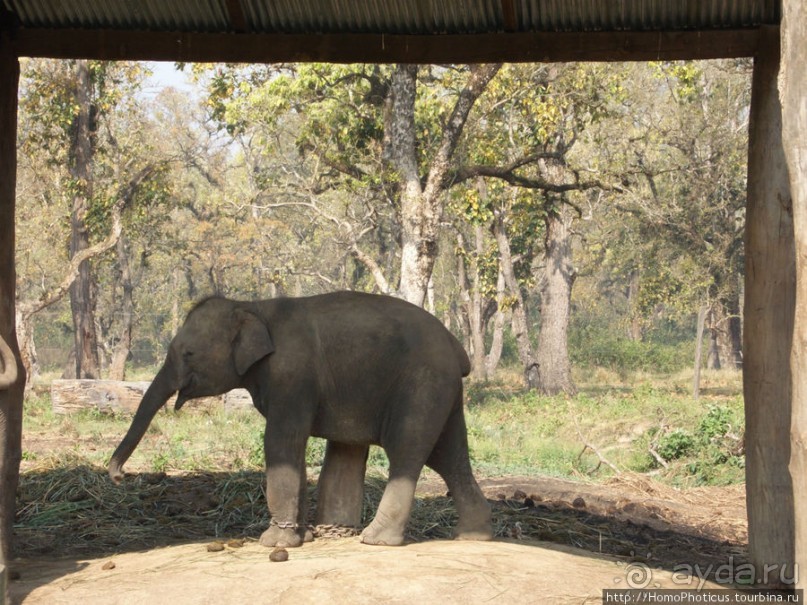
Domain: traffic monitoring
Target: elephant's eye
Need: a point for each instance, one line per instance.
(187, 355)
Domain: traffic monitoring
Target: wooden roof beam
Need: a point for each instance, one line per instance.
(381, 48)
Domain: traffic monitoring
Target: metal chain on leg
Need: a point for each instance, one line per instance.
(334, 531)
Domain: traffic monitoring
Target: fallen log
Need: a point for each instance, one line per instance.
(117, 397)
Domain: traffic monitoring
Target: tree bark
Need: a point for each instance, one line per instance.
(25, 338)
(519, 313)
(478, 366)
(117, 369)
(552, 355)
(770, 273)
(471, 298)
(461, 311)
(726, 335)
(82, 292)
(635, 326)
(497, 342)
(419, 225)
(696, 379)
(734, 331)
(713, 357)
(793, 83)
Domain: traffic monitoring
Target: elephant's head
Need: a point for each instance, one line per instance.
(213, 350)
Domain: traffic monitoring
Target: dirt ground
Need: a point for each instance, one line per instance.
(557, 542)
(332, 571)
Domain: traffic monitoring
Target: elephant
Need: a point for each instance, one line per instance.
(355, 369)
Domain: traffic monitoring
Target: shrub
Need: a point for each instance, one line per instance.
(594, 346)
(676, 444)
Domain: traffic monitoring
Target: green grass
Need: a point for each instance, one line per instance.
(510, 432)
(699, 441)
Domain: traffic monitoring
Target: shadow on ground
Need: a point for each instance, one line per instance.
(78, 512)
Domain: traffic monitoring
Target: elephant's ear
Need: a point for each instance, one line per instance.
(252, 343)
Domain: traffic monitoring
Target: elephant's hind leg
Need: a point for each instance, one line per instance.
(389, 523)
(407, 452)
(450, 459)
(341, 485)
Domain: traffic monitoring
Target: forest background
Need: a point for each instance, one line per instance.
(555, 217)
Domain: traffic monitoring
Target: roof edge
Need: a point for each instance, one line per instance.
(111, 44)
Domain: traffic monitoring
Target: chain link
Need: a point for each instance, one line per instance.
(284, 524)
(335, 531)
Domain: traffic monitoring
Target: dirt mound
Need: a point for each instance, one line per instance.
(334, 571)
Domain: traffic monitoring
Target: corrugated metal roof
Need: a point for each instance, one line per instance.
(161, 15)
(396, 16)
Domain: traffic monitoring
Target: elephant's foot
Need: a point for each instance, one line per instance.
(381, 536)
(475, 522)
(289, 537)
(481, 534)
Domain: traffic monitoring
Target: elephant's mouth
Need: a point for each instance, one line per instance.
(186, 392)
(181, 399)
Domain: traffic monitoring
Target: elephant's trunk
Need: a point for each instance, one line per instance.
(9, 374)
(163, 386)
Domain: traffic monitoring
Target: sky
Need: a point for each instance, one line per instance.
(165, 75)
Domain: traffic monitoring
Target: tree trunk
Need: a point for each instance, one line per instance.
(25, 337)
(497, 342)
(731, 338)
(82, 291)
(471, 298)
(725, 336)
(635, 327)
(519, 318)
(421, 206)
(554, 368)
(477, 302)
(419, 225)
(713, 361)
(461, 311)
(696, 380)
(123, 347)
(728, 332)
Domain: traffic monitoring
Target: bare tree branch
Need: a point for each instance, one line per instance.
(351, 241)
(508, 175)
(123, 199)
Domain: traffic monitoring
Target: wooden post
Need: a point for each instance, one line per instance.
(11, 398)
(793, 83)
(769, 311)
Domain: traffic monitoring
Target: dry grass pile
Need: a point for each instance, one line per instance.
(708, 511)
(77, 511)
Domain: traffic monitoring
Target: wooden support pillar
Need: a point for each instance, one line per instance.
(793, 84)
(11, 397)
(770, 273)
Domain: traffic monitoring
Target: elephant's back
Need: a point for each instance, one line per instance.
(384, 325)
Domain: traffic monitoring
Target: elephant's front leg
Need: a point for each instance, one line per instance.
(285, 491)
